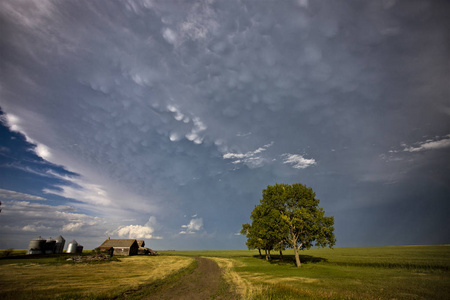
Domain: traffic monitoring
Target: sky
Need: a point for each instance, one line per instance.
(165, 120)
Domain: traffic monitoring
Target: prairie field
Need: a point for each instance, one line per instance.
(403, 272)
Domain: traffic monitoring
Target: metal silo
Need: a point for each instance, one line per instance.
(36, 246)
(50, 246)
(72, 247)
(79, 249)
(59, 247)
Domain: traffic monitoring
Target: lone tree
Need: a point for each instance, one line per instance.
(301, 223)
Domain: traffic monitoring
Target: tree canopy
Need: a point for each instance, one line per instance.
(289, 216)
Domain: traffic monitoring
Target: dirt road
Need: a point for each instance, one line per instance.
(203, 283)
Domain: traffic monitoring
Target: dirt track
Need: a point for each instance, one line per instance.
(203, 283)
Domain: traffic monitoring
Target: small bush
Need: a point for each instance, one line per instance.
(7, 252)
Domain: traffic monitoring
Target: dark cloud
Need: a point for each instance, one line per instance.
(168, 108)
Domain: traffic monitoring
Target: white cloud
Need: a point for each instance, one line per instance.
(439, 143)
(135, 231)
(194, 134)
(14, 124)
(72, 227)
(174, 137)
(249, 158)
(194, 225)
(298, 161)
(138, 231)
(12, 195)
(80, 190)
(42, 151)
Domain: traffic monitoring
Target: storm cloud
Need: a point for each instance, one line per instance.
(159, 110)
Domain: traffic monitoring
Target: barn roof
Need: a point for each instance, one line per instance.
(118, 243)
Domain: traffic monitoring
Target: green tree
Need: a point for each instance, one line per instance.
(306, 222)
(289, 216)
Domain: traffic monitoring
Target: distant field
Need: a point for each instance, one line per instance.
(407, 272)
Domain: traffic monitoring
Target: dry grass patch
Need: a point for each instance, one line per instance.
(242, 287)
(87, 279)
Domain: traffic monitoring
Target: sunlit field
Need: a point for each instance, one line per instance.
(48, 277)
(408, 272)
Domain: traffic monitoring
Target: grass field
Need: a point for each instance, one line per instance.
(50, 277)
(407, 272)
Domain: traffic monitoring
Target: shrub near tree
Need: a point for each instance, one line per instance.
(288, 216)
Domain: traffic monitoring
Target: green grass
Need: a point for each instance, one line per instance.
(406, 272)
(410, 257)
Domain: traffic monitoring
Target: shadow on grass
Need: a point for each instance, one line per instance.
(290, 259)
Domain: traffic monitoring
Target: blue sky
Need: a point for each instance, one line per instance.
(165, 120)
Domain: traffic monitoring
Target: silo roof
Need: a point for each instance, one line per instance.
(60, 239)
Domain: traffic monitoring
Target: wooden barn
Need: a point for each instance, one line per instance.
(120, 246)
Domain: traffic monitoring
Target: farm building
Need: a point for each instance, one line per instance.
(120, 246)
(48, 246)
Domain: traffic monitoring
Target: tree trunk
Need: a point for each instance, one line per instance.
(297, 257)
(270, 258)
(260, 255)
(281, 256)
(267, 257)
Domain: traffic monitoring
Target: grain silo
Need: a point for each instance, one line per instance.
(36, 246)
(59, 247)
(72, 247)
(79, 249)
(50, 246)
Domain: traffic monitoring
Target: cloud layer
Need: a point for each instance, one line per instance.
(12, 195)
(169, 108)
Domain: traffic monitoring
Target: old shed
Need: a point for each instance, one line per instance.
(120, 246)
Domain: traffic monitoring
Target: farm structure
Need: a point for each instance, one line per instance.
(120, 246)
(52, 246)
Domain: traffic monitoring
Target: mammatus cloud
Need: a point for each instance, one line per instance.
(194, 226)
(194, 134)
(138, 231)
(12, 195)
(252, 158)
(142, 98)
(438, 143)
(200, 20)
(298, 161)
